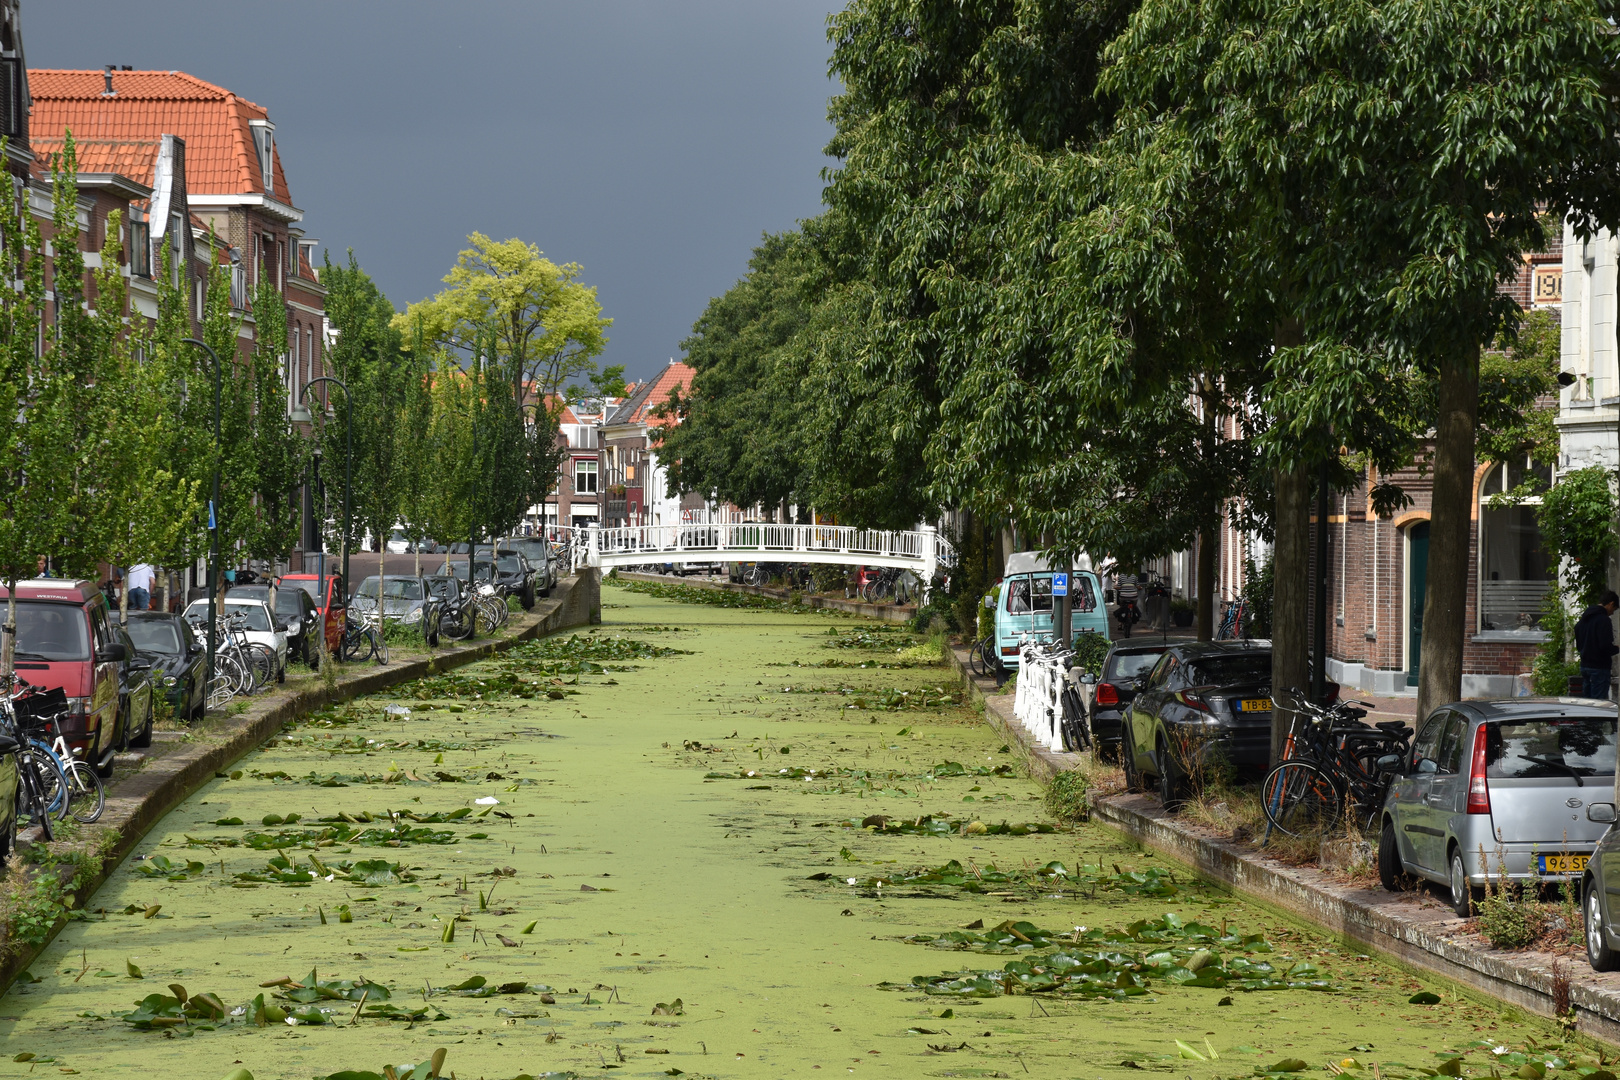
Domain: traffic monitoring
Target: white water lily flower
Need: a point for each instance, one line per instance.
(852, 881)
(1499, 1050)
(488, 800)
(292, 1021)
(240, 1010)
(397, 710)
(329, 877)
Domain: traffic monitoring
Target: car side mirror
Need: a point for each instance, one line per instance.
(1601, 813)
(113, 653)
(1089, 679)
(989, 603)
(1425, 767)
(1390, 763)
(195, 648)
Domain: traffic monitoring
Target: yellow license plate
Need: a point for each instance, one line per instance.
(1563, 864)
(1255, 705)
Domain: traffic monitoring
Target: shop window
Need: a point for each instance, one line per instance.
(1514, 564)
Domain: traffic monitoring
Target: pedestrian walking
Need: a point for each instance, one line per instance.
(140, 586)
(1594, 640)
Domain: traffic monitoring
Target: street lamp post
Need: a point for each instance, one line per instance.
(348, 458)
(213, 520)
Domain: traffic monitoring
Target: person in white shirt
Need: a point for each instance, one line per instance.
(140, 586)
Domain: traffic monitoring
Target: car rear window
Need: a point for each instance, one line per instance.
(1226, 670)
(52, 631)
(1550, 746)
(154, 635)
(1131, 665)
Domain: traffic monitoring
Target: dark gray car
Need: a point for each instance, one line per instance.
(1203, 703)
(1499, 790)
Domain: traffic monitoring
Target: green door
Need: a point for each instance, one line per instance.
(1417, 580)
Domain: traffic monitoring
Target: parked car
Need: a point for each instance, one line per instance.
(66, 641)
(405, 600)
(295, 609)
(262, 627)
(542, 557)
(1123, 671)
(326, 590)
(136, 688)
(398, 543)
(1510, 777)
(1204, 705)
(509, 571)
(179, 662)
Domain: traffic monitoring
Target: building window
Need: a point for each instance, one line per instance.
(140, 249)
(1514, 565)
(584, 476)
(264, 142)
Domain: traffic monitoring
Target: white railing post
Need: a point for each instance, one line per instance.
(593, 545)
(930, 561)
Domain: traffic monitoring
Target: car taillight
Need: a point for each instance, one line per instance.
(1479, 796)
(1107, 694)
(1192, 699)
(1009, 650)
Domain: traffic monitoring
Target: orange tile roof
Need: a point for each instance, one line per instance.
(111, 132)
(652, 394)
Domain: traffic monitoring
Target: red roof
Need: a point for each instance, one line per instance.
(120, 133)
(649, 396)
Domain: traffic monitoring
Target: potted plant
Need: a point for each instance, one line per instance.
(1181, 612)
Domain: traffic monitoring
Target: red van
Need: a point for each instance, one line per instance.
(66, 640)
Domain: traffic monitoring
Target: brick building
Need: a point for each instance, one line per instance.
(636, 484)
(193, 163)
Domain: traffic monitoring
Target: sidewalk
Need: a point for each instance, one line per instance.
(1416, 928)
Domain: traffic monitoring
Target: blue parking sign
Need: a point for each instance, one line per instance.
(1060, 584)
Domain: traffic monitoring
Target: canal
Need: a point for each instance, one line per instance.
(706, 841)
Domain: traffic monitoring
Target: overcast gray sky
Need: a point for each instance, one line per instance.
(652, 141)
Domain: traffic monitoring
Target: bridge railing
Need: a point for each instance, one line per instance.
(732, 542)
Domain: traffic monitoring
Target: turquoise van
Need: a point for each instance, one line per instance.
(1025, 605)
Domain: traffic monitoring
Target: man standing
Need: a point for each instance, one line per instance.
(1594, 640)
(140, 586)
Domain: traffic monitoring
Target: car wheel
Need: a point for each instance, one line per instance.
(1170, 784)
(1391, 874)
(1462, 893)
(1127, 759)
(1598, 953)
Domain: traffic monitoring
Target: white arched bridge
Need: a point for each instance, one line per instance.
(921, 551)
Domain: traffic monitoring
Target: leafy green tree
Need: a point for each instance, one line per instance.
(280, 451)
(27, 523)
(536, 326)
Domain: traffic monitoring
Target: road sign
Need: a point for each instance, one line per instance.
(1060, 584)
(211, 524)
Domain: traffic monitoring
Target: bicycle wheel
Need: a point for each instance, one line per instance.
(32, 806)
(379, 645)
(262, 661)
(1301, 799)
(53, 781)
(86, 795)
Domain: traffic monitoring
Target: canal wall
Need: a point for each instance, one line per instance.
(210, 747)
(895, 613)
(1417, 929)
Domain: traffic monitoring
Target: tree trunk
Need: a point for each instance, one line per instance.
(1290, 622)
(1205, 589)
(1440, 655)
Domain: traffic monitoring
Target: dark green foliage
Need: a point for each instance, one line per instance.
(1067, 796)
(1090, 650)
(1259, 581)
(1577, 524)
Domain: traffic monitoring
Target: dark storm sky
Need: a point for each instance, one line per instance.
(652, 142)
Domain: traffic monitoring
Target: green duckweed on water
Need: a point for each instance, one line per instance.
(691, 865)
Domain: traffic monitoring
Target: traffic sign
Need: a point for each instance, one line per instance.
(1060, 584)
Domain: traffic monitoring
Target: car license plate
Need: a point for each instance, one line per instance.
(1563, 864)
(1255, 705)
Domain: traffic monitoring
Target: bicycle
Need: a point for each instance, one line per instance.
(1332, 764)
(1232, 621)
(981, 657)
(38, 715)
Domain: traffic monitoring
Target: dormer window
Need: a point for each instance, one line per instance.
(264, 143)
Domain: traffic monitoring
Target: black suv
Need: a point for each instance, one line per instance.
(1123, 671)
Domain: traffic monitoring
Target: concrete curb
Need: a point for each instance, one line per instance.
(138, 802)
(881, 612)
(1415, 929)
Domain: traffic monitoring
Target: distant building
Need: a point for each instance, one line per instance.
(637, 484)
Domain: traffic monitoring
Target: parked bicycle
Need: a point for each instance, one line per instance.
(37, 714)
(1332, 766)
(1233, 621)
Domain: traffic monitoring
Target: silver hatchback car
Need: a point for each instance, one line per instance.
(1511, 779)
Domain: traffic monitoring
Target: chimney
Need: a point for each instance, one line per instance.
(129, 67)
(106, 73)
